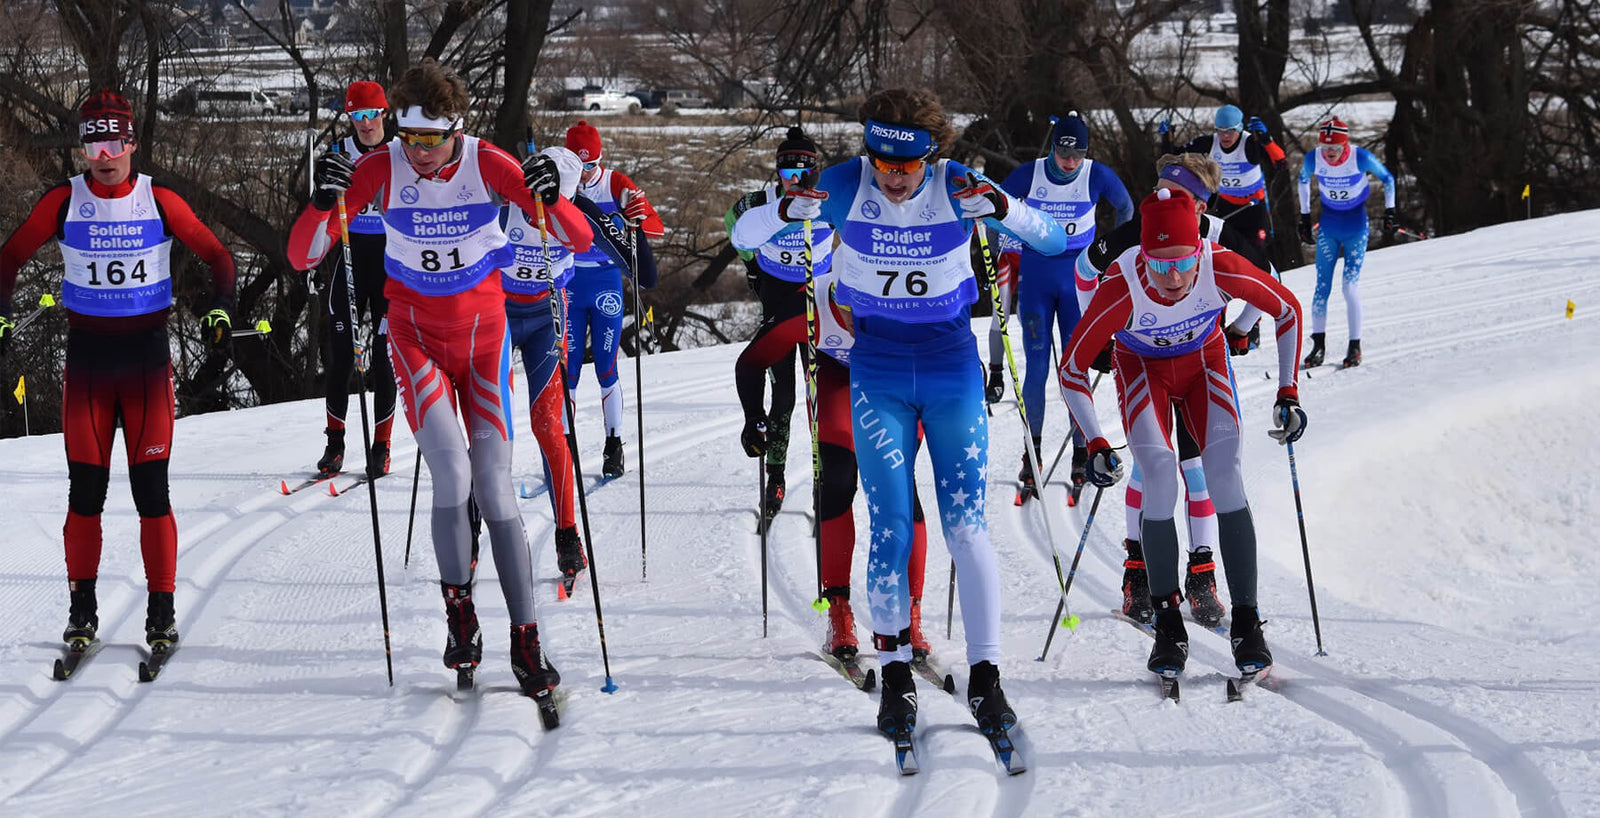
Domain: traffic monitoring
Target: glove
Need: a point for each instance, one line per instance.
(7, 329)
(217, 329)
(1391, 222)
(1305, 229)
(635, 208)
(980, 199)
(543, 178)
(1164, 126)
(1102, 362)
(754, 437)
(1290, 420)
(332, 176)
(1104, 468)
(801, 204)
(752, 276)
(1258, 127)
(1240, 343)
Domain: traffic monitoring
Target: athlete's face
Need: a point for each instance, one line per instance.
(1176, 285)
(428, 161)
(898, 187)
(1228, 138)
(1332, 153)
(111, 171)
(1068, 162)
(369, 131)
(591, 172)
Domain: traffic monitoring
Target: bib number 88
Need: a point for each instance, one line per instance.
(915, 282)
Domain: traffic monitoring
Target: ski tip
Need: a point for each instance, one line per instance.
(60, 672)
(871, 682)
(949, 684)
(609, 687)
(144, 672)
(1233, 691)
(283, 486)
(561, 589)
(332, 491)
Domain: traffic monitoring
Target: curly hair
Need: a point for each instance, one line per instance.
(914, 108)
(1199, 164)
(436, 89)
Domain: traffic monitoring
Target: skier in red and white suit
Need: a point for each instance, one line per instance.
(1163, 302)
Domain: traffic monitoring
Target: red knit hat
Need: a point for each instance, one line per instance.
(105, 116)
(363, 95)
(584, 140)
(1167, 220)
(1333, 132)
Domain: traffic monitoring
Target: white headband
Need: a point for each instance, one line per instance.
(413, 117)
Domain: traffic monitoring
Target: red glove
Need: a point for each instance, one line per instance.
(635, 207)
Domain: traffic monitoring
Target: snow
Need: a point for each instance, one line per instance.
(1450, 501)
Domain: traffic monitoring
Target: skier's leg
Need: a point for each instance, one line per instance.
(884, 428)
(146, 403)
(1066, 310)
(88, 425)
(605, 332)
(1036, 306)
(489, 424)
(534, 335)
(1213, 420)
(1201, 513)
(1355, 253)
(1145, 386)
(339, 355)
(1327, 255)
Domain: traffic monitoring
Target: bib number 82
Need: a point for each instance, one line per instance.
(915, 282)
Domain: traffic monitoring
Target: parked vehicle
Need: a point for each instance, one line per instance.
(595, 98)
(233, 101)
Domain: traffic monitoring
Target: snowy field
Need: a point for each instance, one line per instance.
(1450, 497)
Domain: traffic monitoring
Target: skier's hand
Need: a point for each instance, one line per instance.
(218, 331)
(1290, 420)
(1391, 222)
(543, 178)
(8, 328)
(332, 176)
(754, 437)
(635, 208)
(1258, 127)
(1103, 362)
(1305, 229)
(1164, 126)
(1104, 468)
(801, 204)
(1240, 343)
(979, 198)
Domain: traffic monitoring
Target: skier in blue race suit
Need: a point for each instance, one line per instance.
(1066, 185)
(1340, 169)
(905, 217)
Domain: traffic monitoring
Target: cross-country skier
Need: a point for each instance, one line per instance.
(1341, 172)
(440, 193)
(905, 217)
(1196, 174)
(115, 230)
(368, 109)
(1162, 301)
(1066, 185)
(776, 271)
(595, 291)
(1241, 197)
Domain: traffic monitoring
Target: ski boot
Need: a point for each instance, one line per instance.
(1315, 357)
(569, 552)
(842, 643)
(1135, 585)
(773, 502)
(996, 388)
(332, 461)
(82, 620)
(919, 643)
(160, 623)
(897, 705)
(528, 662)
(1079, 474)
(1026, 489)
(378, 459)
(1352, 357)
(1171, 650)
(1200, 585)
(1250, 651)
(463, 644)
(987, 701)
(611, 465)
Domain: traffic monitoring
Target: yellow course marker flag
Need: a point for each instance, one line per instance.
(22, 389)
(1571, 308)
(1525, 191)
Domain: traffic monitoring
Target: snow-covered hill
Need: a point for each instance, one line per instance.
(1450, 497)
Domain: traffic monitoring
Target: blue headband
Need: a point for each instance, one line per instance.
(898, 141)
(1187, 180)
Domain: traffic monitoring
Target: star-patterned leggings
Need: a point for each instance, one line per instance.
(890, 391)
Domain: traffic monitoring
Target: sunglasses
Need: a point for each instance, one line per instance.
(793, 174)
(1173, 266)
(897, 167)
(1234, 129)
(109, 149)
(426, 141)
(1071, 153)
(590, 165)
(367, 113)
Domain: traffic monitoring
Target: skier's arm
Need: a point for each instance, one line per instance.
(503, 175)
(1235, 241)
(1237, 279)
(1027, 224)
(761, 223)
(1108, 312)
(316, 231)
(652, 225)
(1095, 258)
(730, 218)
(1265, 152)
(1370, 164)
(185, 227)
(42, 223)
(1105, 186)
(1307, 168)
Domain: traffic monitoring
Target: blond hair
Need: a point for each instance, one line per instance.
(1199, 164)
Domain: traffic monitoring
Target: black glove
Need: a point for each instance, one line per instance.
(1391, 222)
(1290, 420)
(1240, 343)
(752, 275)
(543, 178)
(1103, 362)
(1259, 128)
(754, 437)
(1305, 229)
(1104, 468)
(217, 329)
(332, 176)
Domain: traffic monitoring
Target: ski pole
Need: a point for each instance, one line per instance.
(1071, 621)
(950, 603)
(46, 301)
(812, 332)
(761, 497)
(1072, 429)
(1305, 549)
(416, 475)
(638, 388)
(366, 429)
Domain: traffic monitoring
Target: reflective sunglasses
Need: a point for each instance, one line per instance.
(590, 165)
(793, 174)
(1234, 129)
(367, 113)
(896, 167)
(1071, 153)
(107, 149)
(426, 141)
(1173, 266)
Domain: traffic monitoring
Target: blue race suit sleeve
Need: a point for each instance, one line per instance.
(1370, 164)
(1025, 224)
(1307, 167)
(612, 239)
(1105, 186)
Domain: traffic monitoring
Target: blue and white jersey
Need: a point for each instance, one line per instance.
(1157, 330)
(1240, 176)
(370, 219)
(529, 273)
(906, 261)
(1071, 204)
(599, 192)
(117, 253)
(1342, 186)
(443, 235)
(784, 256)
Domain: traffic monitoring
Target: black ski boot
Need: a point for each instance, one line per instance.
(332, 461)
(1080, 472)
(463, 643)
(1315, 358)
(528, 662)
(160, 622)
(1250, 651)
(773, 502)
(378, 459)
(996, 388)
(1201, 587)
(611, 465)
(1171, 650)
(569, 551)
(1352, 357)
(82, 619)
(1135, 584)
(897, 704)
(1026, 487)
(987, 701)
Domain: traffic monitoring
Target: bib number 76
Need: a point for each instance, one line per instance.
(914, 283)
